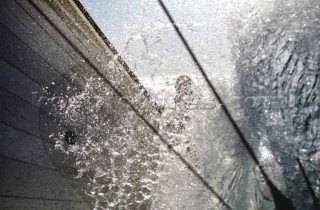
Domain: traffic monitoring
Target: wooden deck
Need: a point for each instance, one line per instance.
(42, 41)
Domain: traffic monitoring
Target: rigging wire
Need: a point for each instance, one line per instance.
(136, 111)
(280, 200)
(309, 186)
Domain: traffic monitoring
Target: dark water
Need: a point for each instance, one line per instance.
(279, 64)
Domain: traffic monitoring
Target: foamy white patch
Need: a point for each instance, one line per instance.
(266, 154)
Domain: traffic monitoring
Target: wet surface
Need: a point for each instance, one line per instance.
(274, 74)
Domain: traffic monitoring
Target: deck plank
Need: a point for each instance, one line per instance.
(26, 180)
(18, 145)
(22, 57)
(16, 203)
(23, 26)
(18, 83)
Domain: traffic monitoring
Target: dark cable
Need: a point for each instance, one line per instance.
(280, 199)
(309, 186)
